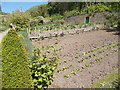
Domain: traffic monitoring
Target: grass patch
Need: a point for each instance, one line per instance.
(106, 81)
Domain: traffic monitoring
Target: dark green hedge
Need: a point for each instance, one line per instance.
(16, 72)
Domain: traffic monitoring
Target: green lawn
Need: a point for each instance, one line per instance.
(106, 81)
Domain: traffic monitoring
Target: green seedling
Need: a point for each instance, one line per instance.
(86, 52)
(87, 65)
(103, 46)
(68, 60)
(61, 63)
(66, 76)
(77, 69)
(65, 61)
(76, 56)
(70, 65)
(86, 57)
(59, 70)
(115, 50)
(92, 62)
(98, 47)
(107, 54)
(90, 55)
(94, 54)
(92, 50)
(73, 72)
(82, 67)
(83, 53)
(79, 61)
(100, 52)
(56, 42)
(64, 68)
(106, 49)
(101, 57)
(110, 43)
(97, 59)
(89, 51)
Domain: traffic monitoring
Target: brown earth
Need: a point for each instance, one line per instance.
(74, 45)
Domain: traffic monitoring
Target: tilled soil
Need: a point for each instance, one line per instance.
(74, 47)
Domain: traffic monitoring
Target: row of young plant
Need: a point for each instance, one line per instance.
(108, 46)
(59, 27)
(40, 36)
(87, 57)
(87, 65)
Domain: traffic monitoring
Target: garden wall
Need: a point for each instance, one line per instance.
(96, 18)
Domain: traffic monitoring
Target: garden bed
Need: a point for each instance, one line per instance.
(84, 58)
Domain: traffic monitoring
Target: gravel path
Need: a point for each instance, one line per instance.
(2, 34)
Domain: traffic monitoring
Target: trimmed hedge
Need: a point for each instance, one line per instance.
(16, 72)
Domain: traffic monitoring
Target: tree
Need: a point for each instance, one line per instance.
(20, 18)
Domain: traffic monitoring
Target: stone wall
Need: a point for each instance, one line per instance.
(97, 18)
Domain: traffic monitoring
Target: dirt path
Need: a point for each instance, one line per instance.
(76, 44)
(2, 34)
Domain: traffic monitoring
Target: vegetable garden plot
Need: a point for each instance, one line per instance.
(66, 30)
(84, 58)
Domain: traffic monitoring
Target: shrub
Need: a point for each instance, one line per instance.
(42, 71)
(16, 72)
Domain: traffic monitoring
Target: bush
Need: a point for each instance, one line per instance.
(16, 72)
(20, 18)
(42, 70)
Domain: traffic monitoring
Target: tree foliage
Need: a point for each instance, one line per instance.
(19, 18)
(63, 8)
(113, 19)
